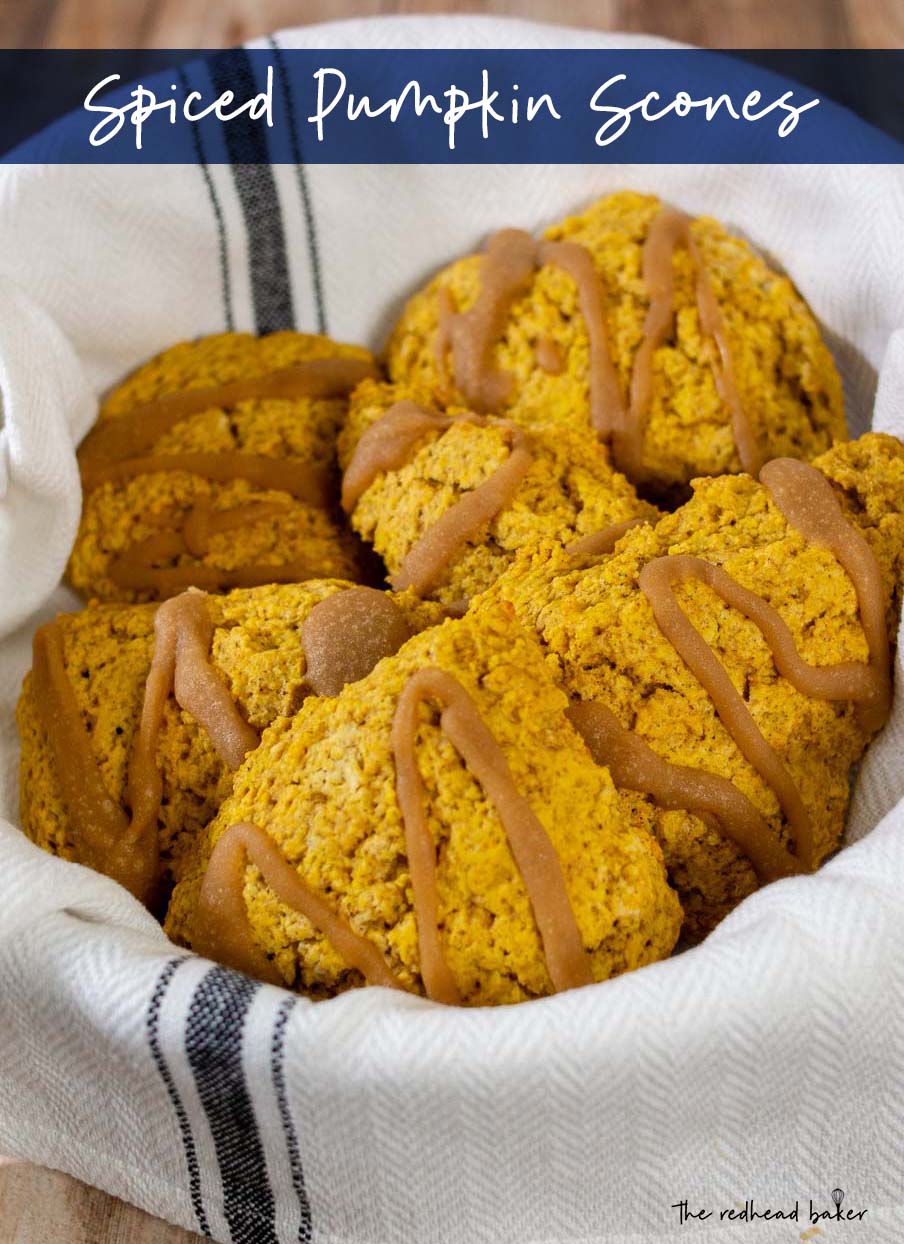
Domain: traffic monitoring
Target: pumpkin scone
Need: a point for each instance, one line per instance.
(730, 664)
(440, 827)
(668, 335)
(213, 466)
(133, 718)
(447, 498)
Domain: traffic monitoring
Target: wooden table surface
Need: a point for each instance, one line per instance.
(218, 23)
(39, 1206)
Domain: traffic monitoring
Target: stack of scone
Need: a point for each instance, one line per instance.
(634, 632)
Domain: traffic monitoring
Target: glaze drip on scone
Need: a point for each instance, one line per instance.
(260, 652)
(390, 442)
(534, 855)
(131, 435)
(605, 393)
(346, 635)
(669, 230)
(603, 541)
(809, 505)
(508, 267)
(127, 848)
(136, 574)
(511, 259)
(300, 480)
(100, 829)
(550, 356)
(117, 450)
(221, 928)
(427, 559)
(203, 521)
(387, 445)
(183, 631)
(137, 568)
(657, 581)
(635, 766)
(567, 490)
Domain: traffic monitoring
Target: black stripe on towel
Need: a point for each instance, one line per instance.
(277, 1057)
(188, 1141)
(214, 1031)
(271, 293)
(303, 187)
(217, 213)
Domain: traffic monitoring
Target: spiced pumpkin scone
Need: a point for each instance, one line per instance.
(213, 466)
(439, 827)
(669, 336)
(447, 498)
(133, 719)
(731, 663)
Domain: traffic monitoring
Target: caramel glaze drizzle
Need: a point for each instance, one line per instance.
(806, 500)
(669, 230)
(511, 259)
(135, 575)
(116, 450)
(129, 436)
(386, 446)
(809, 505)
(202, 522)
(221, 928)
(135, 569)
(534, 854)
(605, 392)
(506, 272)
(347, 634)
(550, 356)
(301, 480)
(183, 631)
(657, 581)
(635, 766)
(128, 849)
(604, 540)
(99, 829)
(390, 442)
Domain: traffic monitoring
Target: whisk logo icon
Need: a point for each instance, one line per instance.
(838, 1214)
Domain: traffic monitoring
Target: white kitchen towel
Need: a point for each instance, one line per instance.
(766, 1064)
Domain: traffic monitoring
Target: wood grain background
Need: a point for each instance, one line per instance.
(219, 23)
(44, 1207)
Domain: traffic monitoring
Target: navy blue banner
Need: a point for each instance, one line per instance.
(490, 107)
